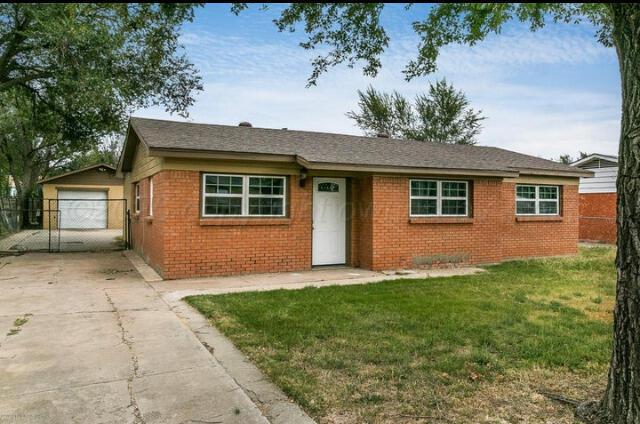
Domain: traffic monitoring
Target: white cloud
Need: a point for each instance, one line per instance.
(263, 81)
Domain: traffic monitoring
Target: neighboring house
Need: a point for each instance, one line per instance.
(598, 198)
(214, 199)
(89, 198)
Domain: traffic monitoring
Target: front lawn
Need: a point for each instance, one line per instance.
(459, 349)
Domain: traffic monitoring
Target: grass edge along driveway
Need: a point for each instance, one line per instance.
(435, 349)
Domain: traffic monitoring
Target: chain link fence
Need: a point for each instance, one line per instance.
(64, 225)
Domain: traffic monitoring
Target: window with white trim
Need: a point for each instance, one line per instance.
(438, 198)
(136, 200)
(243, 195)
(150, 196)
(537, 199)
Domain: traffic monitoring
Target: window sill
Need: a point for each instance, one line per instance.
(441, 220)
(533, 218)
(244, 221)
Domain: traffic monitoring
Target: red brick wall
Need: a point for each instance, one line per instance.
(531, 239)
(492, 235)
(192, 248)
(178, 243)
(598, 217)
(362, 237)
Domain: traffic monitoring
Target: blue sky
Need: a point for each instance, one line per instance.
(546, 93)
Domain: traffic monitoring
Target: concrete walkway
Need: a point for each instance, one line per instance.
(94, 343)
(174, 290)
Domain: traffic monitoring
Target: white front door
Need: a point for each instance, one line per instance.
(329, 221)
(82, 209)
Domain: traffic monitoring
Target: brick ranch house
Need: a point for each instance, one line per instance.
(598, 198)
(219, 200)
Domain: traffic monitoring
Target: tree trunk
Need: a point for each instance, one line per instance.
(621, 402)
(26, 184)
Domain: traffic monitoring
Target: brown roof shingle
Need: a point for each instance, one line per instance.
(338, 149)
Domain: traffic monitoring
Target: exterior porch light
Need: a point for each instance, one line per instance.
(303, 177)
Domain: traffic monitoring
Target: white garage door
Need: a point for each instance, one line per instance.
(81, 209)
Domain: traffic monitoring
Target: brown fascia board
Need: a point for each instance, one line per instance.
(126, 157)
(225, 155)
(121, 159)
(577, 173)
(128, 149)
(383, 169)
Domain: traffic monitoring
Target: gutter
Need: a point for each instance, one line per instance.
(384, 169)
(577, 173)
(209, 154)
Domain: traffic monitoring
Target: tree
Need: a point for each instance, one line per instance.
(567, 159)
(352, 33)
(70, 74)
(108, 152)
(442, 116)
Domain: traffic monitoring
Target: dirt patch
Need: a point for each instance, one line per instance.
(515, 398)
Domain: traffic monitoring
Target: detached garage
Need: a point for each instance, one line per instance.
(86, 199)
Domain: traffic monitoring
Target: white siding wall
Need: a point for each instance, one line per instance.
(604, 181)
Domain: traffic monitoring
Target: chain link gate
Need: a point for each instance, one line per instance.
(65, 225)
(89, 224)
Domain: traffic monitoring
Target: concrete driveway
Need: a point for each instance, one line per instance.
(84, 339)
(62, 241)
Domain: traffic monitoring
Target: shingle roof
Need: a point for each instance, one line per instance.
(77, 171)
(338, 149)
(593, 157)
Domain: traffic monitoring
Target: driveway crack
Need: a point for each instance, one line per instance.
(137, 415)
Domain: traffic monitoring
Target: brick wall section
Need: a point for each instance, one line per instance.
(192, 249)
(492, 236)
(147, 232)
(179, 244)
(362, 222)
(533, 239)
(598, 217)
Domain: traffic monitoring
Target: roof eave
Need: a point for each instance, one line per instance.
(384, 169)
(556, 173)
(77, 171)
(593, 157)
(125, 163)
(222, 155)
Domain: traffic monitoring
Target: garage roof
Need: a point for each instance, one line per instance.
(98, 167)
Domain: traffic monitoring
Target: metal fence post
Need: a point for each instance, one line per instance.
(49, 217)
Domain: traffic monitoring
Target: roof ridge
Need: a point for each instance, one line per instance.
(86, 168)
(288, 130)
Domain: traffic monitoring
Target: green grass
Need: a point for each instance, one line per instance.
(363, 353)
(17, 324)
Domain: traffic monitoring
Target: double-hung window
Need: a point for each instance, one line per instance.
(243, 195)
(537, 200)
(438, 198)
